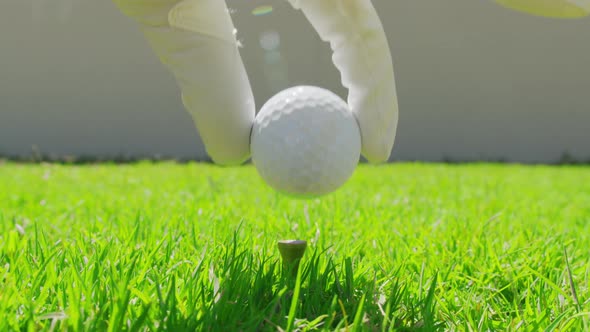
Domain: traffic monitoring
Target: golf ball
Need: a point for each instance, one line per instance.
(305, 141)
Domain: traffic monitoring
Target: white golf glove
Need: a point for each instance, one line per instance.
(195, 39)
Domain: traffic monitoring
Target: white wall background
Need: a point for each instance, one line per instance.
(475, 81)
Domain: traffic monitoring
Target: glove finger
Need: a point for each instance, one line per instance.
(198, 45)
(361, 54)
(147, 12)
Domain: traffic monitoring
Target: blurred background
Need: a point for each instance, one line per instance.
(475, 81)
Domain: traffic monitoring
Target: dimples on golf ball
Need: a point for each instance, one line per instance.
(305, 141)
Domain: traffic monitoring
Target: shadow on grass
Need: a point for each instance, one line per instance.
(229, 289)
(256, 294)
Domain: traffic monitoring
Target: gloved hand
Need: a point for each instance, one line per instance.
(195, 39)
(550, 8)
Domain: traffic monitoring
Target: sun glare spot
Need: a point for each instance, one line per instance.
(262, 10)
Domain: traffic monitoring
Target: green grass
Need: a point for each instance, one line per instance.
(406, 247)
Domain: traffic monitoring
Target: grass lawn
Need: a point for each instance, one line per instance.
(402, 247)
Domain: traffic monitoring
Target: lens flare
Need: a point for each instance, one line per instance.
(550, 8)
(270, 40)
(262, 10)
